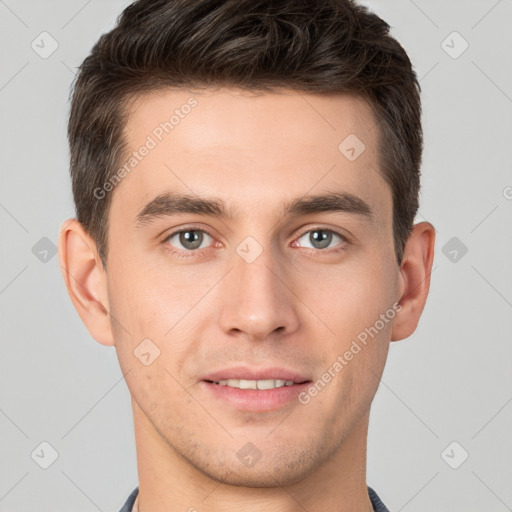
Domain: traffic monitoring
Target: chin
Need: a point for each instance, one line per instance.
(261, 478)
(274, 471)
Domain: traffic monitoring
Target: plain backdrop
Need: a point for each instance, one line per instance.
(440, 429)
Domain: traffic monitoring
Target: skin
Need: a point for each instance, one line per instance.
(296, 306)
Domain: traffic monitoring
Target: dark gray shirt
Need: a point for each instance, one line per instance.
(378, 506)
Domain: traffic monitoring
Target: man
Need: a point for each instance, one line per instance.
(246, 177)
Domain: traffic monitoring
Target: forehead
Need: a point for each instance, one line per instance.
(220, 117)
(249, 148)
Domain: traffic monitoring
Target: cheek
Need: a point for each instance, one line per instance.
(348, 298)
(357, 305)
(163, 307)
(148, 299)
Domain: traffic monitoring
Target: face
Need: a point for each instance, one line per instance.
(275, 268)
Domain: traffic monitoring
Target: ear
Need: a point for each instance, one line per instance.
(414, 275)
(86, 280)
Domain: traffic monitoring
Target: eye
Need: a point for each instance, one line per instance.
(189, 239)
(319, 239)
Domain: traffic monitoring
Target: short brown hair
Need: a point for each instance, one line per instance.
(331, 46)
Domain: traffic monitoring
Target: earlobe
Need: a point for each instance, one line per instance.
(85, 279)
(415, 273)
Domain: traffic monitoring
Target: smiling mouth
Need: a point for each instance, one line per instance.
(262, 384)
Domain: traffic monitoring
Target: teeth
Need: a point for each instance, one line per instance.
(255, 384)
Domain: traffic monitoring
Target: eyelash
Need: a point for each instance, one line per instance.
(191, 253)
(185, 253)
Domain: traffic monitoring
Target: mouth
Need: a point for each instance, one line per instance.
(252, 390)
(261, 384)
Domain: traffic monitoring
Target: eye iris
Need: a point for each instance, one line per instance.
(191, 239)
(320, 239)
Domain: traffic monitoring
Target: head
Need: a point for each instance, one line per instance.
(246, 178)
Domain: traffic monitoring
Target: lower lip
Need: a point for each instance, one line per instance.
(256, 400)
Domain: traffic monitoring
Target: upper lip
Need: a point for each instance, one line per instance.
(246, 373)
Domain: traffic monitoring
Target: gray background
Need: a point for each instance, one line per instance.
(450, 382)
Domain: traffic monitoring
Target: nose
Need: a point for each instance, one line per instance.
(257, 299)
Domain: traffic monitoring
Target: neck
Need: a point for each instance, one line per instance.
(170, 483)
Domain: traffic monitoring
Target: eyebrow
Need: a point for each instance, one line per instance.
(169, 204)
